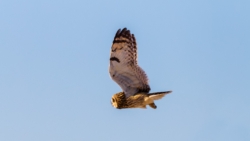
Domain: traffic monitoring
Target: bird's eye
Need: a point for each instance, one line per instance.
(113, 100)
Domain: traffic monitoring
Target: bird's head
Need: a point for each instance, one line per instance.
(118, 100)
(114, 101)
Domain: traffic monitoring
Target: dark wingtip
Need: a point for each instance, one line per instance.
(124, 29)
(124, 32)
(118, 32)
(167, 92)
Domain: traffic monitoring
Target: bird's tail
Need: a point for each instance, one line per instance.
(158, 95)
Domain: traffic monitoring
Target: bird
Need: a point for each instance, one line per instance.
(125, 71)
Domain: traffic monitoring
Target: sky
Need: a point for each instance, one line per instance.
(55, 85)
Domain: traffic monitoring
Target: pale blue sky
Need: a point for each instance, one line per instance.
(55, 86)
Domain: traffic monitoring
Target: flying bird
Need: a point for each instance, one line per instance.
(126, 72)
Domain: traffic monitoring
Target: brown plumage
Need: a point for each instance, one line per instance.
(126, 72)
(140, 100)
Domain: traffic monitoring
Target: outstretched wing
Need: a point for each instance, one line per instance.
(123, 67)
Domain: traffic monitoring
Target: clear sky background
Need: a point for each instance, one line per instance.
(55, 85)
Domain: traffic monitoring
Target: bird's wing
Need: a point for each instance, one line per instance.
(123, 66)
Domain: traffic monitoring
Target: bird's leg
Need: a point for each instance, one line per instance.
(152, 105)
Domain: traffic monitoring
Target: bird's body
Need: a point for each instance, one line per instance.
(125, 71)
(139, 100)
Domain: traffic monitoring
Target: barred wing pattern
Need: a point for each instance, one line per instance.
(123, 68)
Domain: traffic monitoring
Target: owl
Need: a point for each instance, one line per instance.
(126, 72)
